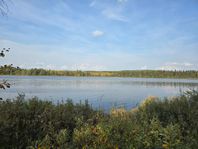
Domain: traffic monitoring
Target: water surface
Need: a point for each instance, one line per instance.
(102, 92)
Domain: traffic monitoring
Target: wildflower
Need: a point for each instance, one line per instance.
(165, 146)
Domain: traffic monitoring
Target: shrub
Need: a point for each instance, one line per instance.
(154, 124)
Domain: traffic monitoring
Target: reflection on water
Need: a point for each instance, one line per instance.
(103, 92)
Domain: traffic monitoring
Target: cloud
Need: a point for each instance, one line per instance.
(92, 3)
(121, 1)
(87, 66)
(179, 66)
(38, 65)
(97, 33)
(44, 56)
(114, 14)
(144, 67)
(188, 64)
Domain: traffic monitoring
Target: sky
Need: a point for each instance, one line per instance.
(101, 34)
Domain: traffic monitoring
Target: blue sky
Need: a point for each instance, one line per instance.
(101, 34)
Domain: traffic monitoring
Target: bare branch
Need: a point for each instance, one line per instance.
(3, 7)
(4, 85)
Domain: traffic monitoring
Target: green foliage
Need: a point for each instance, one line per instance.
(27, 122)
(4, 84)
(10, 70)
(154, 124)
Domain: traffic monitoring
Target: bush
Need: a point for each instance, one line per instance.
(154, 124)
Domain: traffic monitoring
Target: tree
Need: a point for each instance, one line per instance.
(3, 10)
(4, 84)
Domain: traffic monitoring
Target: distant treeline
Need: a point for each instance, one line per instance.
(10, 70)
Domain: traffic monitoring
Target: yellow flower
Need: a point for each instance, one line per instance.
(165, 146)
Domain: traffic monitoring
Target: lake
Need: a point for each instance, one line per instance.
(102, 92)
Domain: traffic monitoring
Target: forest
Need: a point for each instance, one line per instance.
(170, 123)
(11, 70)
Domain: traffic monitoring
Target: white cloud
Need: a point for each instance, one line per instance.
(121, 1)
(82, 66)
(38, 65)
(87, 66)
(63, 58)
(114, 14)
(188, 64)
(97, 33)
(144, 67)
(178, 66)
(167, 67)
(92, 3)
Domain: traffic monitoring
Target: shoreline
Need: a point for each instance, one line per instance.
(135, 77)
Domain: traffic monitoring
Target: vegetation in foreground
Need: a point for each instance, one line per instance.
(154, 124)
(11, 70)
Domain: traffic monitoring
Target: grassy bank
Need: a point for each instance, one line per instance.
(10, 70)
(154, 124)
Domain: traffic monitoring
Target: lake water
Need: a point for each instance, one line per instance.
(102, 92)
